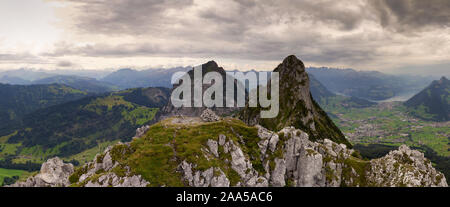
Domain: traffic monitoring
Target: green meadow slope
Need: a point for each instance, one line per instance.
(79, 129)
(18, 100)
(432, 103)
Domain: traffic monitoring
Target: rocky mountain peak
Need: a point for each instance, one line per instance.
(297, 107)
(294, 82)
(291, 64)
(211, 64)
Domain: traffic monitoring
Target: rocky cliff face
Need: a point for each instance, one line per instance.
(297, 107)
(103, 171)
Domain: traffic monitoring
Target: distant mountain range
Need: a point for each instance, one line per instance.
(433, 102)
(369, 85)
(94, 81)
(86, 84)
(324, 97)
(90, 85)
(14, 80)
(31, 75)
(18, 100)
(128, 78)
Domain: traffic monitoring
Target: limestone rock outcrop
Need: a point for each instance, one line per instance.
(104, 171)
(209, 116)
(291, 159)
(405, 167)
(141, 131)
(54, 173)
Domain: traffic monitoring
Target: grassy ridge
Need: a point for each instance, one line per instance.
(157, 155)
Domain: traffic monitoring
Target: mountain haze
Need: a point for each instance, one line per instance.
(369, 85)
(90, 85)
(432, 103)
(129, 78)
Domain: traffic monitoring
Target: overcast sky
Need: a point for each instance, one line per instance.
(239, 34)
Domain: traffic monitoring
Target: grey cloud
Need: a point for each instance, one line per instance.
(412, 15)
(103, 50)
(264, 12)
(236, 17)
(239, 28)
(150, 16)
(20, 58)
(262, 48)
(328, 12)
(64, 64)
(123, 16)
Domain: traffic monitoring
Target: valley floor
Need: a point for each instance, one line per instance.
(389, 124)
(377, 129)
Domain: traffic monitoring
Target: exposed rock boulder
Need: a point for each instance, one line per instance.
(112, 180)
(213, 147)
(141, 131)
(104, 171)
(209, 116)
(309, 168)
(213, 177)
(405, 167)
(54, 173)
